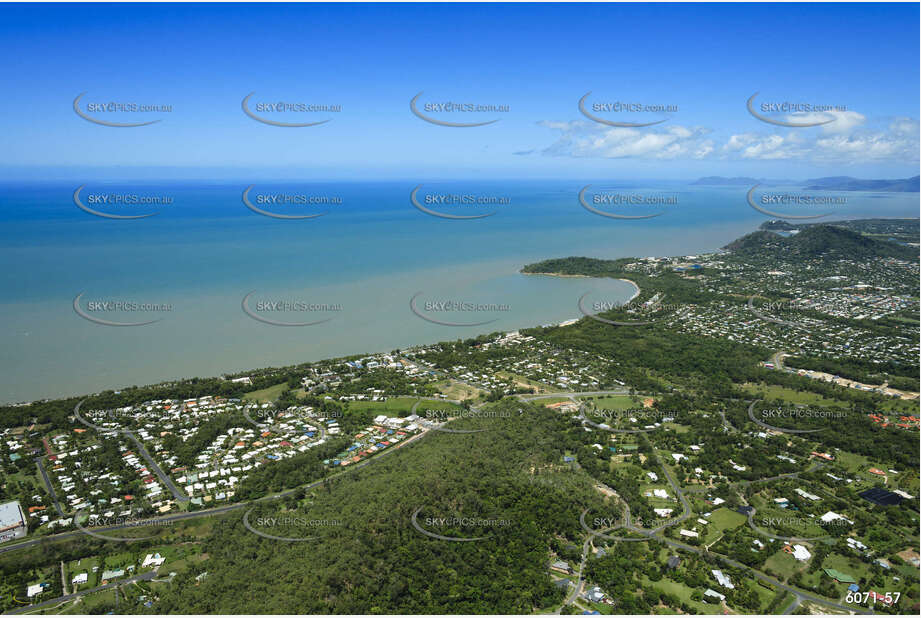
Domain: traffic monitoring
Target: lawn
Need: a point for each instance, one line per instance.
(852, 566)
(266, 395)
(82, 566)
(790, 395)
(781, 563)
(616, 402)
(525, 382)
(402, 406)
(720, 520)
(683, 592)
(458, 391)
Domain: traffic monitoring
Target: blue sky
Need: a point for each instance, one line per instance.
(537, 59)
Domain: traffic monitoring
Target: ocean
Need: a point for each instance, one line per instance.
(356, 269)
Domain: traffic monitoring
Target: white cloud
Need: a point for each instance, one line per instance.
(845, 141)
(582, 139)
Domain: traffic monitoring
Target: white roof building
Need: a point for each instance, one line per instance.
(801, 553)
(723, 581)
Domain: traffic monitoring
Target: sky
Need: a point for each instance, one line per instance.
(705, 60)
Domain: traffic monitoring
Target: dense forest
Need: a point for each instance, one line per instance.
(376, 562)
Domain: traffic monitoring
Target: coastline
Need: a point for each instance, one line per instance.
(557, 275)
(635, 287)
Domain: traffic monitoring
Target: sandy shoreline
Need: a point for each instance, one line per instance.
(636, 288)
(557, 275)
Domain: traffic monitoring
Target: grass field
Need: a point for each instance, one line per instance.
(615, 402)
(402, 406)
(683, 592)
(524, 382)
(781, 562)
(720, 520)
(266, 395)
(789, 395)
(456, 390)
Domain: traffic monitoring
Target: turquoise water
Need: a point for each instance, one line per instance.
(369, 256)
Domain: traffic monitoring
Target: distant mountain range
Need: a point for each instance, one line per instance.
(847, 183)
(829, 183)
(824, 241)
(724, 181)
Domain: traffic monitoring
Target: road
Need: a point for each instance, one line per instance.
(578, 586)
(766, 578)
(572, 395)
(797, 599)
(54, 496)
(765, 533)
(164, 478)
(69, 597)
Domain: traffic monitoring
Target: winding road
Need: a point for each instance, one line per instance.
(144, 577)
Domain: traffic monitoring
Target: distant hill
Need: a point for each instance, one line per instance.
(777, 225)
(847, 183)
(820, 241)
(722, 180)
(828, 183)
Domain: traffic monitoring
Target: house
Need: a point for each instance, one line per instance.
(562, 566)
(801, 553)
(112, 574)
(595, 595)
(714, 595)
(831, 516)
(153, 559)
(79, 579)
(721, 579)
(688, 533)
(673, 562)
(36, 589)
